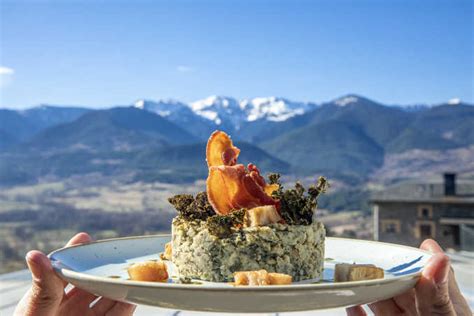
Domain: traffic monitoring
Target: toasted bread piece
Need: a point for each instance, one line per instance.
(153, 271)
(280, 278)
(261, 277)
(346, 272)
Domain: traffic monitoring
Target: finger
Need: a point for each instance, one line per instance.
(406, 302)
(46, 291)
(80, 238)
(355, 311)
(74, 292)
(78, 301)
(437, 269)
(103, 305)
(121, 309)
(78, 296)
(431, 245)
(458, 299)
(385, 307)
(432, 292)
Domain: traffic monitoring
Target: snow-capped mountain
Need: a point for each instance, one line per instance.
(454, 101)
(220, 110)
(225, 110)
(273, 108)
(346, 100)
(163, 108)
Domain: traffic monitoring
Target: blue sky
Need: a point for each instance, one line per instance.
(103, 53)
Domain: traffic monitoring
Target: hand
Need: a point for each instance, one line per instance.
(436, 293)
(47, 297)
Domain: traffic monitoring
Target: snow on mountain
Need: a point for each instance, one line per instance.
(346, 100)
(140, 104)
(273, 108)
(228, 112)
(454, 101)
(163, 108)
(220, 110)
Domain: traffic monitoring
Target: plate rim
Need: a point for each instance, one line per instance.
(68, 273)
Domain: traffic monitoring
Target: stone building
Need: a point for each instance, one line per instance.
(412, 211)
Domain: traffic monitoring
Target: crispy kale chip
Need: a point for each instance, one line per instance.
(223, 226)
(296, 207)
(192, 208)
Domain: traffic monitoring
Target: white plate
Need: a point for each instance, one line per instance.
(100, 268)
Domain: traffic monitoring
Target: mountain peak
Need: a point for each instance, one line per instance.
(219, 109)
(139, 104)
(346, 100)
(349, 99)
(454, 101)
(212, 102)
(273, 108)
(163, 108)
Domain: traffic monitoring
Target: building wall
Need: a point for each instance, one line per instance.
(404, 222)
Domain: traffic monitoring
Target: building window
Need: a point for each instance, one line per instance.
(425, 211)
(425, 229)
(390, 226)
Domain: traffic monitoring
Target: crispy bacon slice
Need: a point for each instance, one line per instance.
(220, 150)
(231, 185)
(255, 174)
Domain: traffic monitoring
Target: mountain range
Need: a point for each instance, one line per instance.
(347, 138)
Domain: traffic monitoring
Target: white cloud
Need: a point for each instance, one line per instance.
(6, 76)
(6, 71)
(182, 68)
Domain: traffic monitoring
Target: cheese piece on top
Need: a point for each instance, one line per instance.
(262, 216)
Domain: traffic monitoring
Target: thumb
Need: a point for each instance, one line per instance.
(47, 290)
(432, 291)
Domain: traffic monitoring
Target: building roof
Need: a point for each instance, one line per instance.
(432, 192)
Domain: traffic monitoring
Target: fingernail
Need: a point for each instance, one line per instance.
(33, 265)
(37, 262)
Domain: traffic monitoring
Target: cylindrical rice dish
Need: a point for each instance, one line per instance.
(297, 250)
